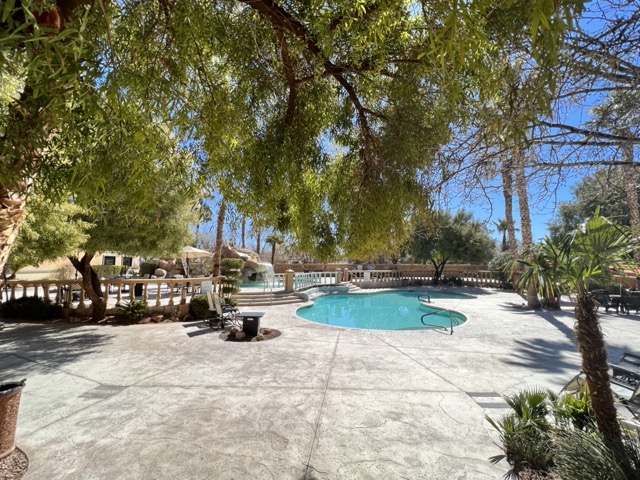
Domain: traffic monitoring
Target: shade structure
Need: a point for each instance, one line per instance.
(193, 252)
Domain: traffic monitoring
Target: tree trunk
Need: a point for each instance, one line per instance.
(273, 253)
(631, 187)
(258, 240)
(12, 214)
(594, 365)
(525, 218)
(243, 233)
(217, 253)
(92, 286)
(438, 273)
(507, 191)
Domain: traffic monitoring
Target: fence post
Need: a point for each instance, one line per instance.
(288, 280)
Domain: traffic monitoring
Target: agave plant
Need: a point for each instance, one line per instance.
(133, 310)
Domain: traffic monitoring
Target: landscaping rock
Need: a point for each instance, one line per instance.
(166, 265)
(234, 330)
(188, 318)
(240, 335)
(259, 338)
(145, 320)
(232, 334)
(266, 331)
(157, 318)
(160, 273)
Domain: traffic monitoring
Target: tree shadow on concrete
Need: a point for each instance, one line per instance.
(548, 356)
(39, 347)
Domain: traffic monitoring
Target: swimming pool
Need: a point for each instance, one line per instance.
(381, 311)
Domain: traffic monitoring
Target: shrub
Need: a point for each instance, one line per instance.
(457, 281)
(148, 267)
(500, 266)
(106, 271)
(133, 310)
(31, 308)
(199, 307)
(231, 268)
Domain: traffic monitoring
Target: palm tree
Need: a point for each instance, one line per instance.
(503, 227)
(274, 239)
(590, 254)
(217, 252)
(544, 268)
(584, 258)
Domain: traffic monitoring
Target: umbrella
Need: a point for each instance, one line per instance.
(192, 252)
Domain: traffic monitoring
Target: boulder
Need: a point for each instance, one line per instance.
(266, 331)
(145, 320)
(160, 273)
(157, 318)
(259, 338)
(240, 335)
(166, 265)
(188, 318)
(244, 253)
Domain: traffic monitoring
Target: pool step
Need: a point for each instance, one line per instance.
(266, 298)
(351, 286)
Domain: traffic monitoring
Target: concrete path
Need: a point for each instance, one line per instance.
(173, 401)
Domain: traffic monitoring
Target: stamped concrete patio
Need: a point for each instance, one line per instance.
(174, 401)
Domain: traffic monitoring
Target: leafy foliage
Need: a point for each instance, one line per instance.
(452, 238)
(199, 307)
(31, 308)
(231, 269)
(133, 310)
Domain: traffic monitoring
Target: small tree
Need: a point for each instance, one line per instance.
(455, 238)
(231, 269)
(274, 240)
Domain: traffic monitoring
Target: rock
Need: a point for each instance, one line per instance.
(266, 331)
(240, 335)
(160, 273)
(157, 318)
(145, 320)
(259, 338)
(234, 330)
(188, 318)
(168, 320)
(244, 253)
(232, 334)
(75, 319)
(166, 265)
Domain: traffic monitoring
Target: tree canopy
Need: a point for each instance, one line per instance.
(452, 238)
(314, 115)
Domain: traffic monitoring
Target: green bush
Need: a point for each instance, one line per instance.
(106, 271)
(199, 307)
(500, 266)
(31, 308)
(148, 267)
(133, 310)
(457, 281)
(231, 269)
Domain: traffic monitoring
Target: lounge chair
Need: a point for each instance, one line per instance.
(603, 299)
(218, 313)
(632, 301)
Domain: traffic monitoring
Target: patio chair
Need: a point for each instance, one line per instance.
(603, 299)
(218, 313)
(632, 301)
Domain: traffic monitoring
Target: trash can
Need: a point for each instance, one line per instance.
(137, 290)
(251, 326)
(9, 403)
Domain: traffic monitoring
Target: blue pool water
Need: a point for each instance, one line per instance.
(380, 311)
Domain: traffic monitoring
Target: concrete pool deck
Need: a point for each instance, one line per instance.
(173, 401)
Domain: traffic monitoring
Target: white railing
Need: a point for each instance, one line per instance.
(153, 291)
(304, 280)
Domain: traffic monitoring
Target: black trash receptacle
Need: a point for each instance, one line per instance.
(251, 326)
(137, 290)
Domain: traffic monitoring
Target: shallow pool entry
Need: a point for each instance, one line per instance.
(383, 311)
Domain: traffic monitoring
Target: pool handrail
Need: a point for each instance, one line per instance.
(440, 326)
(420, 299)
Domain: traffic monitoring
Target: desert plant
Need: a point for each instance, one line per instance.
(31, 308)
(199, 307)
(525, 433)
(575, 410)
(133, 310)
(500, 267)
(106, 271)
(581, 455)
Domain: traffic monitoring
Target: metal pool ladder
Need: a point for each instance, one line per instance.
(440, 326)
